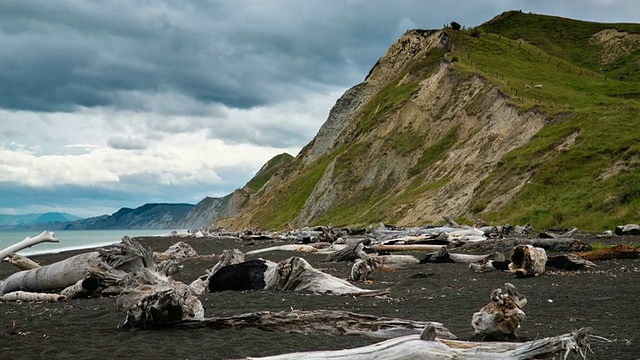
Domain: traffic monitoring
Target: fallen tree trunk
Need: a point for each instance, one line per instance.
(392, 248)
(32, 296)
(328, 322)
(444, 256)
(294, 274)
(562, 245)
(615, 252)
(45, 236)
(415, 347)
(53, 277)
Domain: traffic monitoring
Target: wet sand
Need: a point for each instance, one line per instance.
(605, 299)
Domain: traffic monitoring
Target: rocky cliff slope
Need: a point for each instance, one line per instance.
(492, 122)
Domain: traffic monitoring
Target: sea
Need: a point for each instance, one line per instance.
(73, 239)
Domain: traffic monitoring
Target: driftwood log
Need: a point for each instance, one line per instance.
(32, 296)
(294, 274)
(561, 261)
(45, 236)
(501, 317)
(336, 323)
(444, 256)
(417, 347)
(527, 260)
(619, 251)
(561, 245)
(22, 262)
(392, 248)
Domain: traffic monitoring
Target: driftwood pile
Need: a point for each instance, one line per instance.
(151, 298)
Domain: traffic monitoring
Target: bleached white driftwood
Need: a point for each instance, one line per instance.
(287, 247)
(55, 276)
(421, 347)
(45, 236)
(527, 260)
(32, 296)
(501, 317)
(22, 262)
(367, 263)
(179, 250)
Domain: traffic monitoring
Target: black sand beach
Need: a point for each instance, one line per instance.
(558, 302)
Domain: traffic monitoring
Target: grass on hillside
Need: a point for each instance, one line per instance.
(567, 187)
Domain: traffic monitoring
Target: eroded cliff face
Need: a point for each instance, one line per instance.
(405, 159)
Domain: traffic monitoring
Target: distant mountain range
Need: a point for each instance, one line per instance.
(147, 216)
(30, 219)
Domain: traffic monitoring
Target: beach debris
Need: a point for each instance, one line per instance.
(32, 296)
(228, 257)
(444, 256)
(367, 263)
(180, 250)
(619, 251)
(45, 236)
(126, 269)
(527, 260)
(555, 233)
(415, 347)
(22, 262)
(501, 317)
(293, 274)
(569, 262)
(329, 322)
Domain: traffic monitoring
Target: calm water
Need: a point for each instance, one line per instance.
(73, 239)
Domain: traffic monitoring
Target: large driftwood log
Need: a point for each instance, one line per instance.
(501, 317)
(367, 263)
(294, 274)
(45, 236)
(391, 248)
(527, 260)
(444, 256)
(417, 347)
(562, 245)
(228, 257)
(55, 276)
(111, 265)
(328, 322)
(619, 251)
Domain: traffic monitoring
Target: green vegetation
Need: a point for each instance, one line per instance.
(566, 39)
(267, 171)
(292, 196)
(434, 152)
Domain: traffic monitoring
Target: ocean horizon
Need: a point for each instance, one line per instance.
(74, 239)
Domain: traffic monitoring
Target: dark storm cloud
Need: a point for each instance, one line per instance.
(63, 54)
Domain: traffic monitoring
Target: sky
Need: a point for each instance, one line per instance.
(117, 103)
